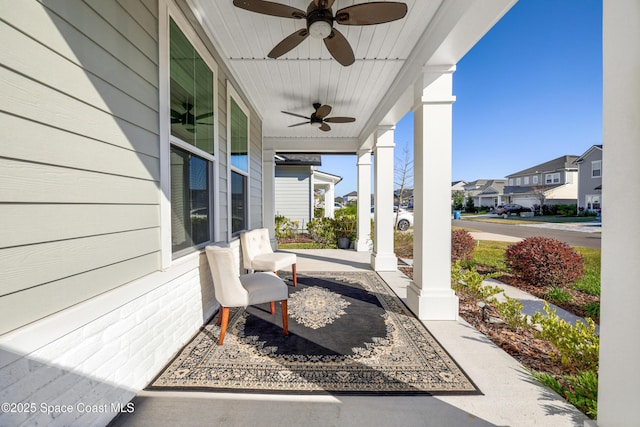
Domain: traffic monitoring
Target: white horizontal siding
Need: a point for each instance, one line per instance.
(38, 223)
(79, 156)
(292, 191)
(23, 267)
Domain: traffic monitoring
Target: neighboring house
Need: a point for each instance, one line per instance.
(485, 192)
(407, 197)
(551, 183)
(296, 180)
(458, 185)
(350, 198)
(590, 179)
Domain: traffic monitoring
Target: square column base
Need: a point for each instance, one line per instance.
(384, 262)
(432, 304)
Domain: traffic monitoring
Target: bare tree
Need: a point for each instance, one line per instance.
(539, 193)
(403, 179)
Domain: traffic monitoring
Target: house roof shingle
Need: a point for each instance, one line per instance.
(561, 163)
(287, 159)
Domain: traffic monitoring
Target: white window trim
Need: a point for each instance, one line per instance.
(233, 93)
(526, 180)
(599, 168)
(552, 175)
(518, 181)
(534, 179)
(167, 9)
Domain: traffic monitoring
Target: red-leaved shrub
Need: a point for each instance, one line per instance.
(462, 245)
(542, 261)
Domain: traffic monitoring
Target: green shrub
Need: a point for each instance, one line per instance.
(285, 227)
(578, 345)
(346, 223)
(542, 261)
(469, 282)
(592, 310)
(462, 245)
(558, 295)
(322, 230)
(566, 210)
(580, 390)
(511, 312)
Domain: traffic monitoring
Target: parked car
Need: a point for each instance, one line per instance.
(405, 218)
(510, 208)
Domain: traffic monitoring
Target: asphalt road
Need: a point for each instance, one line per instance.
(573, 238)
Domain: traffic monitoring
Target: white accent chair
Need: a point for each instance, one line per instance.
(257, 253)
(234, 290)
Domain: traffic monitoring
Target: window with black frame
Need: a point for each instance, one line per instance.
(239, 133)
(192, 144)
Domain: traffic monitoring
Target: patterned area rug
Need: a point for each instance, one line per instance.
(348, 333)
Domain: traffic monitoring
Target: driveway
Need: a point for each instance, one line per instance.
(563, 232)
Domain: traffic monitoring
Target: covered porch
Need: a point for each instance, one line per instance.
(510, 395)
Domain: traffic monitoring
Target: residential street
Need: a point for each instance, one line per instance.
(560, 232)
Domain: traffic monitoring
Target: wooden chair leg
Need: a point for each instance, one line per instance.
(273, 307)
(285, 317)
(295, 279)
(225, 322)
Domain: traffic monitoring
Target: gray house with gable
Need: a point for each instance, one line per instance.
(590, 179)
(552, 183)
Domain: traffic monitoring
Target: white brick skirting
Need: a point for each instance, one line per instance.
(84, 376)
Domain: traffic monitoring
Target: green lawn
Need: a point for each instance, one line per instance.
(556, 219)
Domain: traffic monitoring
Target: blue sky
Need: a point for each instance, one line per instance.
(528, 92)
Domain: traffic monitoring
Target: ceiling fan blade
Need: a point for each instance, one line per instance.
(296, 115)
(339, 48)
(299, 124)
(371, 13)
(324, 4)
(339, 119)
(288, 43)
(325, 127)
(270, 8)
(204, 116)
(174, 113)
(323, 111)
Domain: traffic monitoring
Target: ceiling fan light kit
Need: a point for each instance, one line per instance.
(320, 29)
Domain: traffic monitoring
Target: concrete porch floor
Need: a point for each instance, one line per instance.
(511, 397)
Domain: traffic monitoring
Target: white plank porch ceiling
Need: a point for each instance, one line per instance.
(308, 73)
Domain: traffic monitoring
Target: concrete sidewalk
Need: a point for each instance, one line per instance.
(512, 397)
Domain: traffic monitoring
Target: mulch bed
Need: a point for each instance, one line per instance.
(576, 305)
(533, 353)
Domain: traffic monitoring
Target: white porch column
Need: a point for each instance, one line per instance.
(268, 194)
(383, 257)
(430, 295)
(363, 243)
(618, 392)
(329, 201)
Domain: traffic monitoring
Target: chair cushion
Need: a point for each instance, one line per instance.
(273, 262)
(254, 243)
(264, 287)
